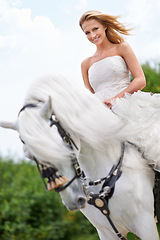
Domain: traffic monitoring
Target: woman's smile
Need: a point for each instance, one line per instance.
(94, 31)
(96, 39)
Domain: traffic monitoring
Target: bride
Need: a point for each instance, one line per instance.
(106, 74)
(101, 29)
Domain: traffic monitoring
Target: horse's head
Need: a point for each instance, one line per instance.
(81, 114)
(45, 141)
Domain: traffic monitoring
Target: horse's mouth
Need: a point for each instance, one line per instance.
(80, 204)
(75, 208)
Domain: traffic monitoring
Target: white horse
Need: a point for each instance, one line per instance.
(98, 133)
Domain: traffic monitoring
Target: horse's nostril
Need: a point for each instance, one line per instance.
(81, 201)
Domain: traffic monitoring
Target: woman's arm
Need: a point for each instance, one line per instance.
(139, 81)
(84, 70)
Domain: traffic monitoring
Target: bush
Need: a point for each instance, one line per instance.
(152, 75)
(29, 212)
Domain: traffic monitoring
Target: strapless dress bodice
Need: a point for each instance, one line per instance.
(109, 76)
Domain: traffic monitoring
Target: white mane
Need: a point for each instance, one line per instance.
(76, 108)
(79, 111)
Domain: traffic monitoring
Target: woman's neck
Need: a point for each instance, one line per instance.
(104, 47)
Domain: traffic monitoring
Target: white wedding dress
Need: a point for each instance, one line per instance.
(141, 110)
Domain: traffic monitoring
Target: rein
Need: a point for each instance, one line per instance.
(100, 200)
(68, 140)
(54, 178)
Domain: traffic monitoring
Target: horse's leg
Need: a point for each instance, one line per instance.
(146, 227)
(105, 234)
(100, 222)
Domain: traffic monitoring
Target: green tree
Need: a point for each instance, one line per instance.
(29, 212)
(152, 75)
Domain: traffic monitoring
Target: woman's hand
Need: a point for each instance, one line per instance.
(109, 102)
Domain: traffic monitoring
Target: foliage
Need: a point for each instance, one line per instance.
(152, 75)
(28, 211)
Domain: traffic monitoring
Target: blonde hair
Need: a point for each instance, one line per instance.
(113, 26)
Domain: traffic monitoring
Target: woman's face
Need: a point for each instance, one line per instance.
(94, 31)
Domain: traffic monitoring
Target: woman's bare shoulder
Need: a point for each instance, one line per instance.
(86, 63)
(124, 48)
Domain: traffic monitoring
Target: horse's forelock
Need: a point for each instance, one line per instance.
(41, 141)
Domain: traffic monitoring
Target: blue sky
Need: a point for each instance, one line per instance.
(40, 37)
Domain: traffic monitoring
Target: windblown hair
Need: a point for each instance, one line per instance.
(114, 28)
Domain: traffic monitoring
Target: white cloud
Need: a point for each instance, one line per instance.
(71, 6)
(5, 4)
(81, 4)
(144, 17)
(15, 2)
(144, 13)
(23, 32)
(27, 43)
(29, 47)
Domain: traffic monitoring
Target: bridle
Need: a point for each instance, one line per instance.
(51, 173)
(99, 200)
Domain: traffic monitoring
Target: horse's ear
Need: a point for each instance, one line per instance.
(46, 110)
(10, 125)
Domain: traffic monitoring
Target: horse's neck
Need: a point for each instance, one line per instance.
(97, 164)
